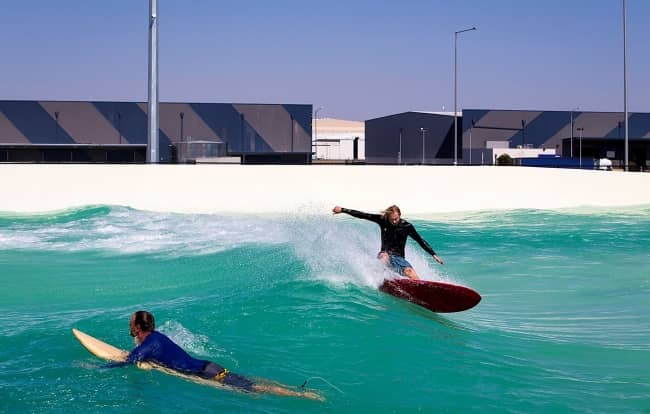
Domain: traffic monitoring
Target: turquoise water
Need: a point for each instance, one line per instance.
(564, 323)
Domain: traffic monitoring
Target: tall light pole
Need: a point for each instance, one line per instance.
(470, 142)
(56, 127)
(399, 153)
(424, 131)
(293, 128)
(181, 115)
(456, 91)
(571, 141)
(119, 127)
(580, 147)
(316, 129)
(152, 126)
(625, 79)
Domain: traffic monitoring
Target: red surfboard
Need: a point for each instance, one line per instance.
(438, 297)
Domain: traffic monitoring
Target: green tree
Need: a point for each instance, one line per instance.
(504, 159)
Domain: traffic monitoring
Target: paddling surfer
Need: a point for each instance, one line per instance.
(153, 346)
(394, 232)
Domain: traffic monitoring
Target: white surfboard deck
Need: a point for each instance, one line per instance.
(109, 352)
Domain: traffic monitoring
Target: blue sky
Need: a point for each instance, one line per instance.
(356, 59)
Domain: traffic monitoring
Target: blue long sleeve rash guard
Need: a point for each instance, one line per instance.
(160, 349)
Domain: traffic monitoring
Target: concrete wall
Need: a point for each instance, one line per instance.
(314, 189)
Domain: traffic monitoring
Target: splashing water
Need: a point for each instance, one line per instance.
(562, 326)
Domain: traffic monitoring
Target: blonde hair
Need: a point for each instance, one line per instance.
(389, 210)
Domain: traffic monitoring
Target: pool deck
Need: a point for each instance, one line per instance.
(313, 189)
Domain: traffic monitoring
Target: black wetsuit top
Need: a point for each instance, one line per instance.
(393, 238)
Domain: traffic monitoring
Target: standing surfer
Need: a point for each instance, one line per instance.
(394, 232)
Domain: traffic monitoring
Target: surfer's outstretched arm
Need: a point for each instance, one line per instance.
(375, 218)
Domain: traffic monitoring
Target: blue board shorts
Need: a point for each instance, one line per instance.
(212, 371)
(397, 263)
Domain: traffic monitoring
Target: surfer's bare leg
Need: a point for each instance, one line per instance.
(411, 273)
(276, 389)
(408, 271)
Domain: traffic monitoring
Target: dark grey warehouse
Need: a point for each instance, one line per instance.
(428, 138)
(65, 131)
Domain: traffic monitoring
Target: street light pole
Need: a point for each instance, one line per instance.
(181, 115)
(293, 128)
(456, 91)
(470, 142)
(571, 141)
(119, 127)
(424, 130)
(399, 153)
(56, 127)
(316, 129)
(625, 80)
(580, 146)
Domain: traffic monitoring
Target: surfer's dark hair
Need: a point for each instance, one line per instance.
(145, 321)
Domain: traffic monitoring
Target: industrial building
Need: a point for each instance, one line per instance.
(116, 132)
(569, 134)
(411, 138)
(562, 138)
(338, 140)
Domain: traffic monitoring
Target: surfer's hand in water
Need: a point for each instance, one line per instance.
(337, 210)
(437, 259)
(144, 365)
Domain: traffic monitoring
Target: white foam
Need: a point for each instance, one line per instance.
(127, 231)
(195, 344)
(342, 250)
(337, 249)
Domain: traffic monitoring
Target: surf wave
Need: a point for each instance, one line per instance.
(196, 344)
(334, 249)
(120, 230)
(62, 216)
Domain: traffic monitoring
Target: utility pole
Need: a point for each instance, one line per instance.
(152, 126)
